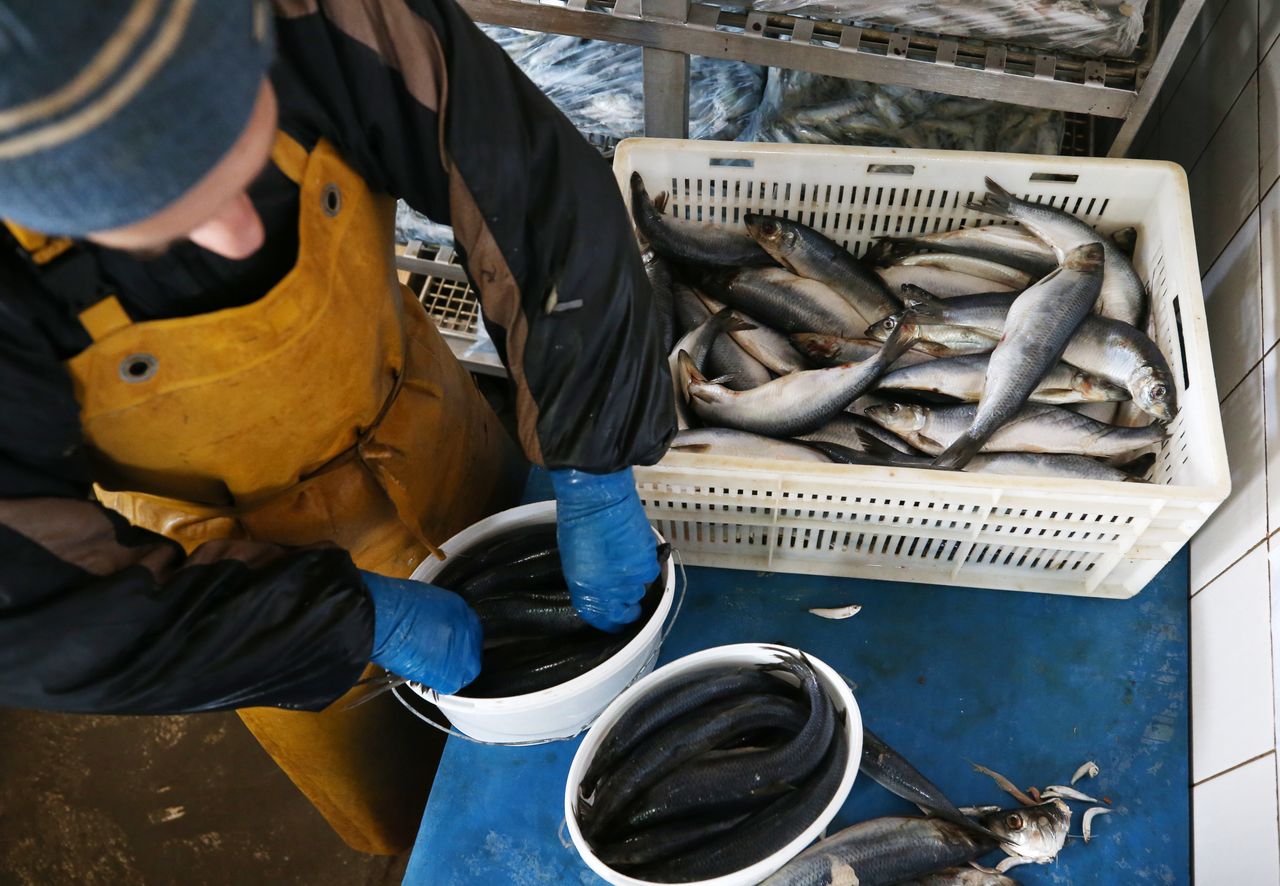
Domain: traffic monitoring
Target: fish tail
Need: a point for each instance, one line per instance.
(997, 201)
(961, 452)
(887, 248)
(1137, 468)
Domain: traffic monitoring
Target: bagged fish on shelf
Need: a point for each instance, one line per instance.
(792, 348)
(807, 108)
(597, 84)
(533, 636)
(1081, 27)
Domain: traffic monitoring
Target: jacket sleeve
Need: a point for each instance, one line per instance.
(431, 110)
(99, 616)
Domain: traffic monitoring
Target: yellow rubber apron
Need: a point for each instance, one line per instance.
(328, 410)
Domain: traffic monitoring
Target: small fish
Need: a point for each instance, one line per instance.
(769, 348)
(1057, 790)
(837, 612)
(1010, 245)
(726, 357)
(1034, 833)
(1089, 816)
(696, 345)
(1004, 784)
(742, 444)
(1086, 770)
(832, 350)
(939, 281)
(785, 301)
(851, 431)
(659, 274)
(889, 769)
(1122, 296)
(984, 269)
(686, 241)
(1037, 428)
(790, 405)
(532, 543)
(962, 378)
(804, 251)
(881, 852)
(1039, 325)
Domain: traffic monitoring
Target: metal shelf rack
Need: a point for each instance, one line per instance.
(671, 30)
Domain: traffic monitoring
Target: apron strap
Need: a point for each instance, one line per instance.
(289, 156)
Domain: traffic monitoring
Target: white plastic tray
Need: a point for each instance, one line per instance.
(1052, 535)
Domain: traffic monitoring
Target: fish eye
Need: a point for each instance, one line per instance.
(1014, 822)
(895, 408)
(890, 323)
(1159, 391)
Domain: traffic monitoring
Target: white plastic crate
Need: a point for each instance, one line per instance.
(1051, 535)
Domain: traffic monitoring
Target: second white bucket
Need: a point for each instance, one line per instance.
(561, 711)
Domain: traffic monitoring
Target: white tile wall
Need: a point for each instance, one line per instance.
(1222, 122)
(1213, 80)
(1235, 834)
(1231, 668)
(1241, 522)
(1269, 281)
(1233, 303)
(1224, 181)
(1269, 118)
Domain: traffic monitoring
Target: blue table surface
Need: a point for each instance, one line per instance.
(1030, 685)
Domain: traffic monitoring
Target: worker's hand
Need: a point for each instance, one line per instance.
(606, 545)
(424, 633)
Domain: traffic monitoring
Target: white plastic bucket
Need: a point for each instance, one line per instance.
(561, 711)
(718, 657)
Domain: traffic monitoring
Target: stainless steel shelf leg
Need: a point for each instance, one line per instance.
(666, 76)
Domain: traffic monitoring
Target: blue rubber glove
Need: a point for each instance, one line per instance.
(424, 633)
(606, 546)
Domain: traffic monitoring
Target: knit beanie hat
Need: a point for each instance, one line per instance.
(110, 110)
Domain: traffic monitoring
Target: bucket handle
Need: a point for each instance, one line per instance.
(682, 588)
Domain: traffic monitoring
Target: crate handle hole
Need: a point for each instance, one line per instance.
(1182, 342)
(744, 162)
(1063, 177)
(891, 169)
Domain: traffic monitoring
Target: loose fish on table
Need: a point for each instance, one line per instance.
(1037, 329)
(961, 877)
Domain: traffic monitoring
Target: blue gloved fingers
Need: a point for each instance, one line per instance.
(424, 633)
(606, 546)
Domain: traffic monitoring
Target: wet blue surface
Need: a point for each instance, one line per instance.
(1029, 685)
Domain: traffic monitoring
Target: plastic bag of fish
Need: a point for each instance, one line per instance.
(597, 84)
(1083, 27)
(533, 636)
(807, 108)
(1002, 348)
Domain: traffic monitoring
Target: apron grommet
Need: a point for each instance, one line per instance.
(138, 368)
(331, 200)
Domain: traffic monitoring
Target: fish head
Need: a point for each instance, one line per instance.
(814, 344)
(884, 327)
(1155, 393)
(1031, 831)
(774, 235)
(1086, 258)
(901, 418)
(1092, 389)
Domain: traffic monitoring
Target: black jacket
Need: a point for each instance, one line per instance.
(97, 615)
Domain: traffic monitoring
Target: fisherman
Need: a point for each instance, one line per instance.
(228, 434)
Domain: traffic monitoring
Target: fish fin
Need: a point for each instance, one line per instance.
(997, 200)
(733, 322)
(1126, 240)
(873, 445)
(959, 453)
(882, 251)
(692, 447)
(660, 201)
(720, 379)
(1138, 468)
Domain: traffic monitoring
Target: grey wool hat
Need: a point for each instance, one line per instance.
(112, 109)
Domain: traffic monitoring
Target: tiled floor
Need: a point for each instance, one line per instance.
(1220, 119)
